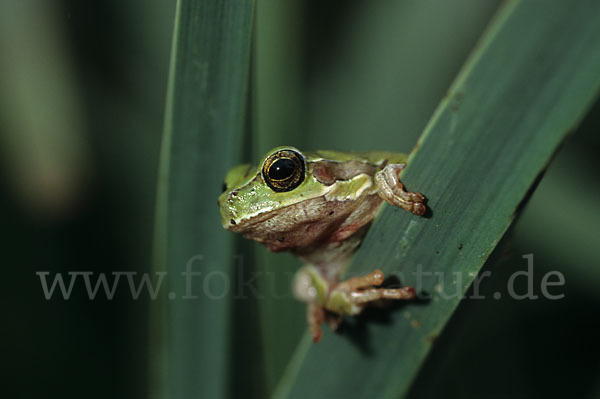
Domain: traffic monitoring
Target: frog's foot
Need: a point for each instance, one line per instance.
(392, 190)
(328, 302)
(351, 296)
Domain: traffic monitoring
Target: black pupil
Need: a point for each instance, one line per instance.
(282, 169)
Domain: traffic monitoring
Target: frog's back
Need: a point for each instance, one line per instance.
(372, 157)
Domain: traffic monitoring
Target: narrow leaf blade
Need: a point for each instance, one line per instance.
(527, 84)
(204, 125)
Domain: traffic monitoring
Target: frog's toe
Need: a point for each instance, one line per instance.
(375, 278)
(374, 294)
(315, 315)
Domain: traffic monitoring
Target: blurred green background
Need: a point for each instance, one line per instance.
(81, 114)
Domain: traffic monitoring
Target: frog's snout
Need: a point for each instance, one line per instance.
(227, 204)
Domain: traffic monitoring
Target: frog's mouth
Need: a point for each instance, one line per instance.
(238, 224)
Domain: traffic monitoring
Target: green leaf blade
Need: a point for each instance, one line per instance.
(525, 87)
(204, 124)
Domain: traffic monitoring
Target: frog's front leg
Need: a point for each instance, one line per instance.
(328, 302)
(392, 190)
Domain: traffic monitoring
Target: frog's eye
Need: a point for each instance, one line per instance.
(284, 170)
(224, 187)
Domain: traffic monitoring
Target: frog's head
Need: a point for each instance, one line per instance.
(283, 178)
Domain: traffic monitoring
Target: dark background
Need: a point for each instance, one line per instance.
(81, 113)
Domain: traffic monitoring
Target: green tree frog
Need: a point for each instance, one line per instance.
(319, 205)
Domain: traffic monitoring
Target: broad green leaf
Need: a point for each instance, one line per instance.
(203, 134)
(527, 84)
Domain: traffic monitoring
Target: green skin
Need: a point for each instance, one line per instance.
(322, 220)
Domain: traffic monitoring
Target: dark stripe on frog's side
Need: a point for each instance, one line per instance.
(328, 172)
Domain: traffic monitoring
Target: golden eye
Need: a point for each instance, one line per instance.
(284, 170)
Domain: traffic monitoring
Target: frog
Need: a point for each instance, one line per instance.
(319, 205)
